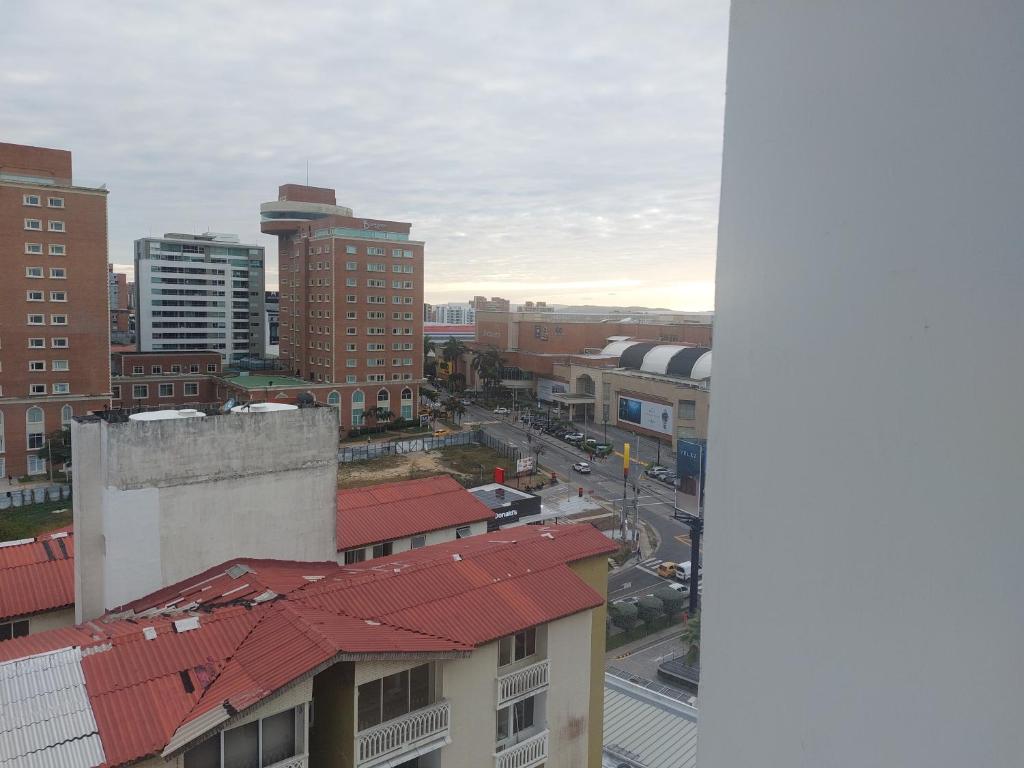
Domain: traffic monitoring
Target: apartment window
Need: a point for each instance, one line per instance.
(115, 392)
(33, 295)
(61, 388)
(351, 282)
(396, 283)
(264, 742)
(35, 249)
(165, 390)
(393, 696)
(58, 319)
(513, 648)
(58, 296)
(407, 315)
(462, 532)
(351, 347)
(191, 388)
(59, 365)
(55, 226)
(193, 368)
(350, 249)
(33, 271)
(37, 365)
(350, 298)
(350, 378)
(407, 254)
(59, 342)
(351, 266)
(37, 389)
(34, 224)
(36, 465)
(156, 369)
(396, 268)
(36, 319)
(418, 541)
(355, 556)
(211, 367)
(175, 369)
(515, 719)
(36, 343)
(32, 200)
(396, 253)
(407, 284)
(407, 269)
(353, 315)
(138, 370)
(350, 331)
(376, 283)
(58, 273)
(374, 251)
(687, 409)
(140, 391)
(383, 550)
(57, 250)
(55, 202)
(351, 362)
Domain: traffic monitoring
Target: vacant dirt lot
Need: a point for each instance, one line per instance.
(467, 464)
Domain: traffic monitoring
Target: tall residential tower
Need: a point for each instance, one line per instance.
(54, 325)
(351, 301)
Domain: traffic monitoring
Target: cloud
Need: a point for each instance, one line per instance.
(532, 144)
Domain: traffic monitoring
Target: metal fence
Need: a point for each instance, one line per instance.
(416, 444)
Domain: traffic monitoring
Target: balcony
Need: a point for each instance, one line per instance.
(522, 682)
(413, 734)
(526, 754)
(299, 761)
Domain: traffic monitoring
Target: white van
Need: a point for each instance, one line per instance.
(683, 572)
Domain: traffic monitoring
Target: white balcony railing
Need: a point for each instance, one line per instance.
(402, 734)
(522, 681)
(299, 761)
(525, 754)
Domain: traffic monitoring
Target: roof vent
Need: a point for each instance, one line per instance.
(268, 595)
(236, 570)
(547, 536)
(186, 625)
(61, 535)
(456, 557)
(373, 623)
(149, 633)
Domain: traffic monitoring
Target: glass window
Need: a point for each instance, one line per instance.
(242, 746)
(140, 391)
(418, 541)
(278, 737)
(33, 271)
(462, 532)
(502, 724)
(354, 556)
(395, 695)
(166, 390)
(205, 755)
(115, 392)
(419, 687)
(383, 550)
(12, 629)
(55, 202)
(191, 388)
(30, 199)
(369, 705)
(687, 409)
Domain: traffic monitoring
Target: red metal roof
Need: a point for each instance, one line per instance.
(397, 510)
(290, 618)
(37, 575)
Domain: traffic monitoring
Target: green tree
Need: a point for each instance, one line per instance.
(650, 608)
(383, 415)
(624, 615)
(452, 352)
(488, 365)
(428, 345)
(691, 639)
(671, 599)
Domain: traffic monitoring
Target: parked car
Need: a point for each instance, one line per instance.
(582, 467)
(633, 600)
(603, 449)
(466, 401)
(501, 411)
(573, 436)
(440, 432)
(654, 468)
(682, 572)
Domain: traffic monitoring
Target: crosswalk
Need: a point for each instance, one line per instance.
(650, 565)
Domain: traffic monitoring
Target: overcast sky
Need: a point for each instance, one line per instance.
(561, 151)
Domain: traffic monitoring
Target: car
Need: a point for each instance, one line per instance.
(571, 436)
(603, 449)
(500, 411)
(582, 467)
(466, 401)
(440, 432)
(627, 601)
(683, 589)
(655, 468)
(667, 570)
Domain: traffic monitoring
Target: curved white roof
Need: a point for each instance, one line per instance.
(702, 367)
(184, 413)
(618, 347)
(657, 358)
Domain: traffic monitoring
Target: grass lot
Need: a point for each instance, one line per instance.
(461, 462)
(27, 522)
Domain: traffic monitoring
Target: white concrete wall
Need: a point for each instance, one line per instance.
(864, 526)
(40, 622)
(160, 501)
(568, 698)
(433, 537)
(470, 685)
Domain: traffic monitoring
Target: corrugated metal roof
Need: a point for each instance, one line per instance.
(396, 510)
(643, 730)
(37, 575)
(45, 715)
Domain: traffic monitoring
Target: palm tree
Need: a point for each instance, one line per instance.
(452, 352)
(383, 415)
(691, 639)
(428, 345)
(488, 365)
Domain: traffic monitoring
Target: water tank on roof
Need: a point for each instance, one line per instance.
(184, 413)
(263, 407)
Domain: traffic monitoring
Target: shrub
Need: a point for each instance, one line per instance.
(671, 599)
(624, 615)
(650, 608)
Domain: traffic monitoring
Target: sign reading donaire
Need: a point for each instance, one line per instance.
(653, 416)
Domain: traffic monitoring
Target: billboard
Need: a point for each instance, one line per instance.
(653, 416)
(524, 466)
(547, 387)
(691, 457)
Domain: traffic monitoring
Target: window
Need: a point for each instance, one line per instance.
(211, 367)
(37, 365)
(140, 391)
(36, 319)
(350, 249)
(258, 744)
(115, 392)
(34, 224)
(512, 648)
(383, 550)
(57, 250)
(407, 268)
(33, 271)
(191, 388)
(462, 532)
(193, 368)
(36, 465)
(67, 413)
(30, 200)
(55, 226)
(418, 541)
(58, 319)
(36, 343)
(59, 342)
(351, 266)
(35, 427)
(58, 273)
(59, 365)
(393, 696)
(138, 370)
(396, 253)
(407, 254)
(351, 282)
(354, 556)
(33, 295)
(350, 378)
(351, 298)
(62, 388)
(374, 283)
(156, 369)
(37, 389)
(374, 251)
(165, 390)
(515, 719)
(334, 398)
(34, 248)
(55, 202)
(350, 331)
(175, 369)
(687, 409)
(396, 268)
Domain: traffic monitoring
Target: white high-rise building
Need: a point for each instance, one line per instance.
(864, 526)
(200, 292)
(454, 314)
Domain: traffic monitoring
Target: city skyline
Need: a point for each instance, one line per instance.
(557, 144)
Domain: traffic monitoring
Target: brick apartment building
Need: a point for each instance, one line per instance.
(121, 321)
(351, 303)
(54, 321)
(164, 379)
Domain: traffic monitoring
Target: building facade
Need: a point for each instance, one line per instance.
(54, 321)
(351, 301)
(164, 379)
(493, 304)
(454, 314)
(196, 292)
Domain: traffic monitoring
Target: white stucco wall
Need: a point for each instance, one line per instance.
(160, 501)
(568, 699)
(433, 537)
(40, 622)
(864, 526)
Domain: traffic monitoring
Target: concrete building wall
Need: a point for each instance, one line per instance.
(167, 499)
(469, 684)
(568, 698)
(433, 537)
(40, 622)
(870, 230)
